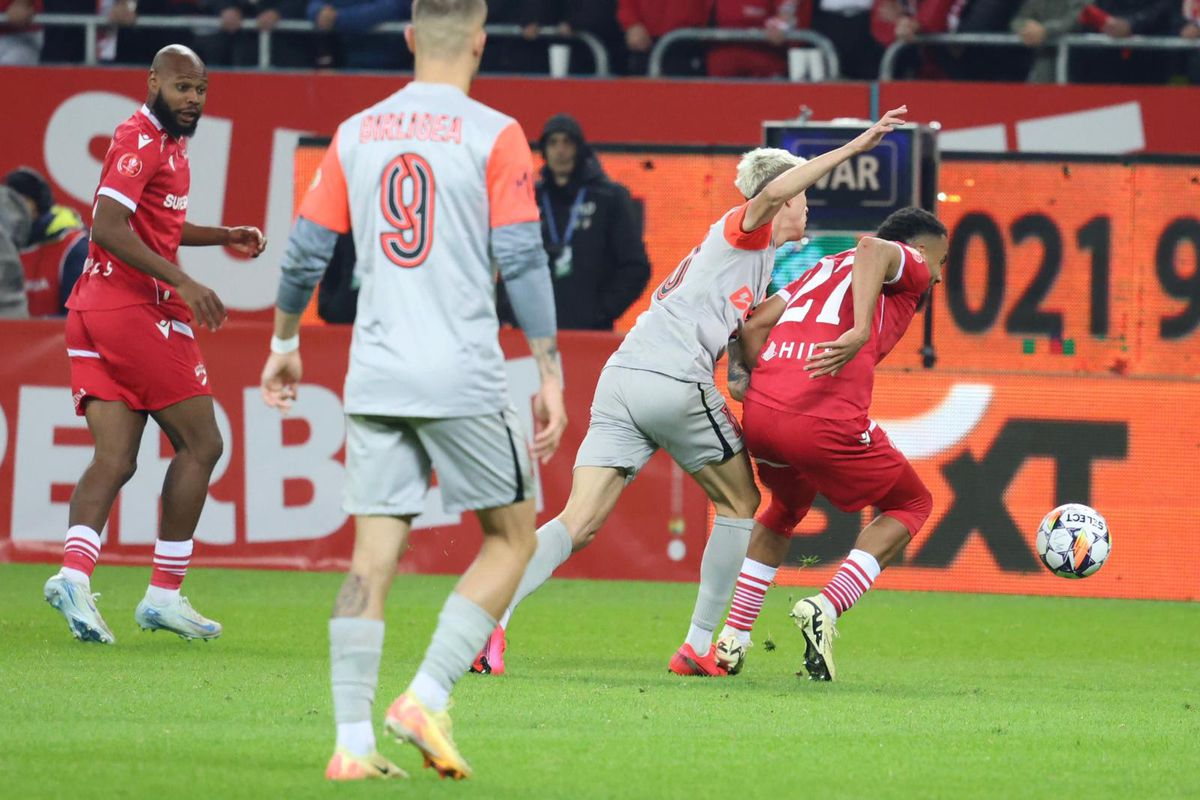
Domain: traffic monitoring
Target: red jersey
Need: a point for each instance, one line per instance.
(820, 308)
(146, 171)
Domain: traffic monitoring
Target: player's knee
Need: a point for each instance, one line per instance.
(922, 508)
(208, 449)
(120, 468)
(582, 524)
(742, 505)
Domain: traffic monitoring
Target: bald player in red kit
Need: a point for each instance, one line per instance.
(812, 349)
(133, 352)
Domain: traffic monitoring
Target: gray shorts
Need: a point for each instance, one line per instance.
(481, 462)
(635, 412)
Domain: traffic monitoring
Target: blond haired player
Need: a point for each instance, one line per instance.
(433, 185)
(657, 390)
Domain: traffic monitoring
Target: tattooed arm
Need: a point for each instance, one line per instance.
(738, 372)
(548, 406)
(521, 258)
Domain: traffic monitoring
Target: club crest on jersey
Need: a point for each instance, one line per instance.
(202, 374)
(164, 327)
(129, 165)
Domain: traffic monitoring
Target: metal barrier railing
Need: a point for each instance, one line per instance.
(92, 24)
(1097, 40)
(887, 67)
(739, 36)
(1063, 45)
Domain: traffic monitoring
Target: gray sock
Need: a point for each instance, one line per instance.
(463, 628)
(553, 549)
(355, 647)
(719, 569)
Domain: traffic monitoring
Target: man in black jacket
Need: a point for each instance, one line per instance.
(597, 259)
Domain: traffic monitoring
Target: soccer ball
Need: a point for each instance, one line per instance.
(731, 654)
(1073, 541)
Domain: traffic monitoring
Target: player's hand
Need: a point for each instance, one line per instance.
(550, 415)
(874, 135)
(830, 357)
(247, 239)
(204, 303)
(281, 380)
(1032, 33)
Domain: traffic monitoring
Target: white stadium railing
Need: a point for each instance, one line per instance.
(1063, 45)
(739, 36)
(1067, 43)
(93, 24)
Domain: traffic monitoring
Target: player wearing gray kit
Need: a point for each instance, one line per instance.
(433, 185)
(657, 390)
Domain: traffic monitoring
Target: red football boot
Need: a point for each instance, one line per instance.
(686, 662)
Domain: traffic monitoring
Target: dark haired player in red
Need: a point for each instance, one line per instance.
(813, 348)
(133, 352)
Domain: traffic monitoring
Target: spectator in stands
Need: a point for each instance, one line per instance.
(646, 21)
(56, 247)
(131, 43)
(1120, 19)
(988, 63)
(1039, 23)
(233, 47)
(20, 36)
(903, 20)
(774, 17)
(1187, 23)
(590, 230)
(14, 233)
(522, 54)
(597, 17)
(351, 21)
(847, 23)
(62, 43)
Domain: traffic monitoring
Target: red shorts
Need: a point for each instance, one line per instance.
(853, 463)
(140, 355)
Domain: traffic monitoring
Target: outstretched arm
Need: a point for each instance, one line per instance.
(764, 205)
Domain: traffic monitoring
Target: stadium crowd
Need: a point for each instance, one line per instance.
(342, 35)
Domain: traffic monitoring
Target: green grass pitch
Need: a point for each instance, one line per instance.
(940, 695)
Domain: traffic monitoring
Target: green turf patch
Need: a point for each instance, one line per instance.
(939, 695)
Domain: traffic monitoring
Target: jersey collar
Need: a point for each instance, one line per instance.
(145, 111)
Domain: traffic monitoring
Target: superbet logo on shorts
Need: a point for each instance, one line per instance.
(129, 165)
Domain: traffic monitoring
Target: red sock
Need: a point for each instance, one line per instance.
(856, 575)
(170, 563)
(81, 550)
(749, 594)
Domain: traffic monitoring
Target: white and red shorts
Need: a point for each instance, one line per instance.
(142, 356)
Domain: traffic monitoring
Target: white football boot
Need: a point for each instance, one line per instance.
(819, 629)
(176, 616)
(77, 604)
